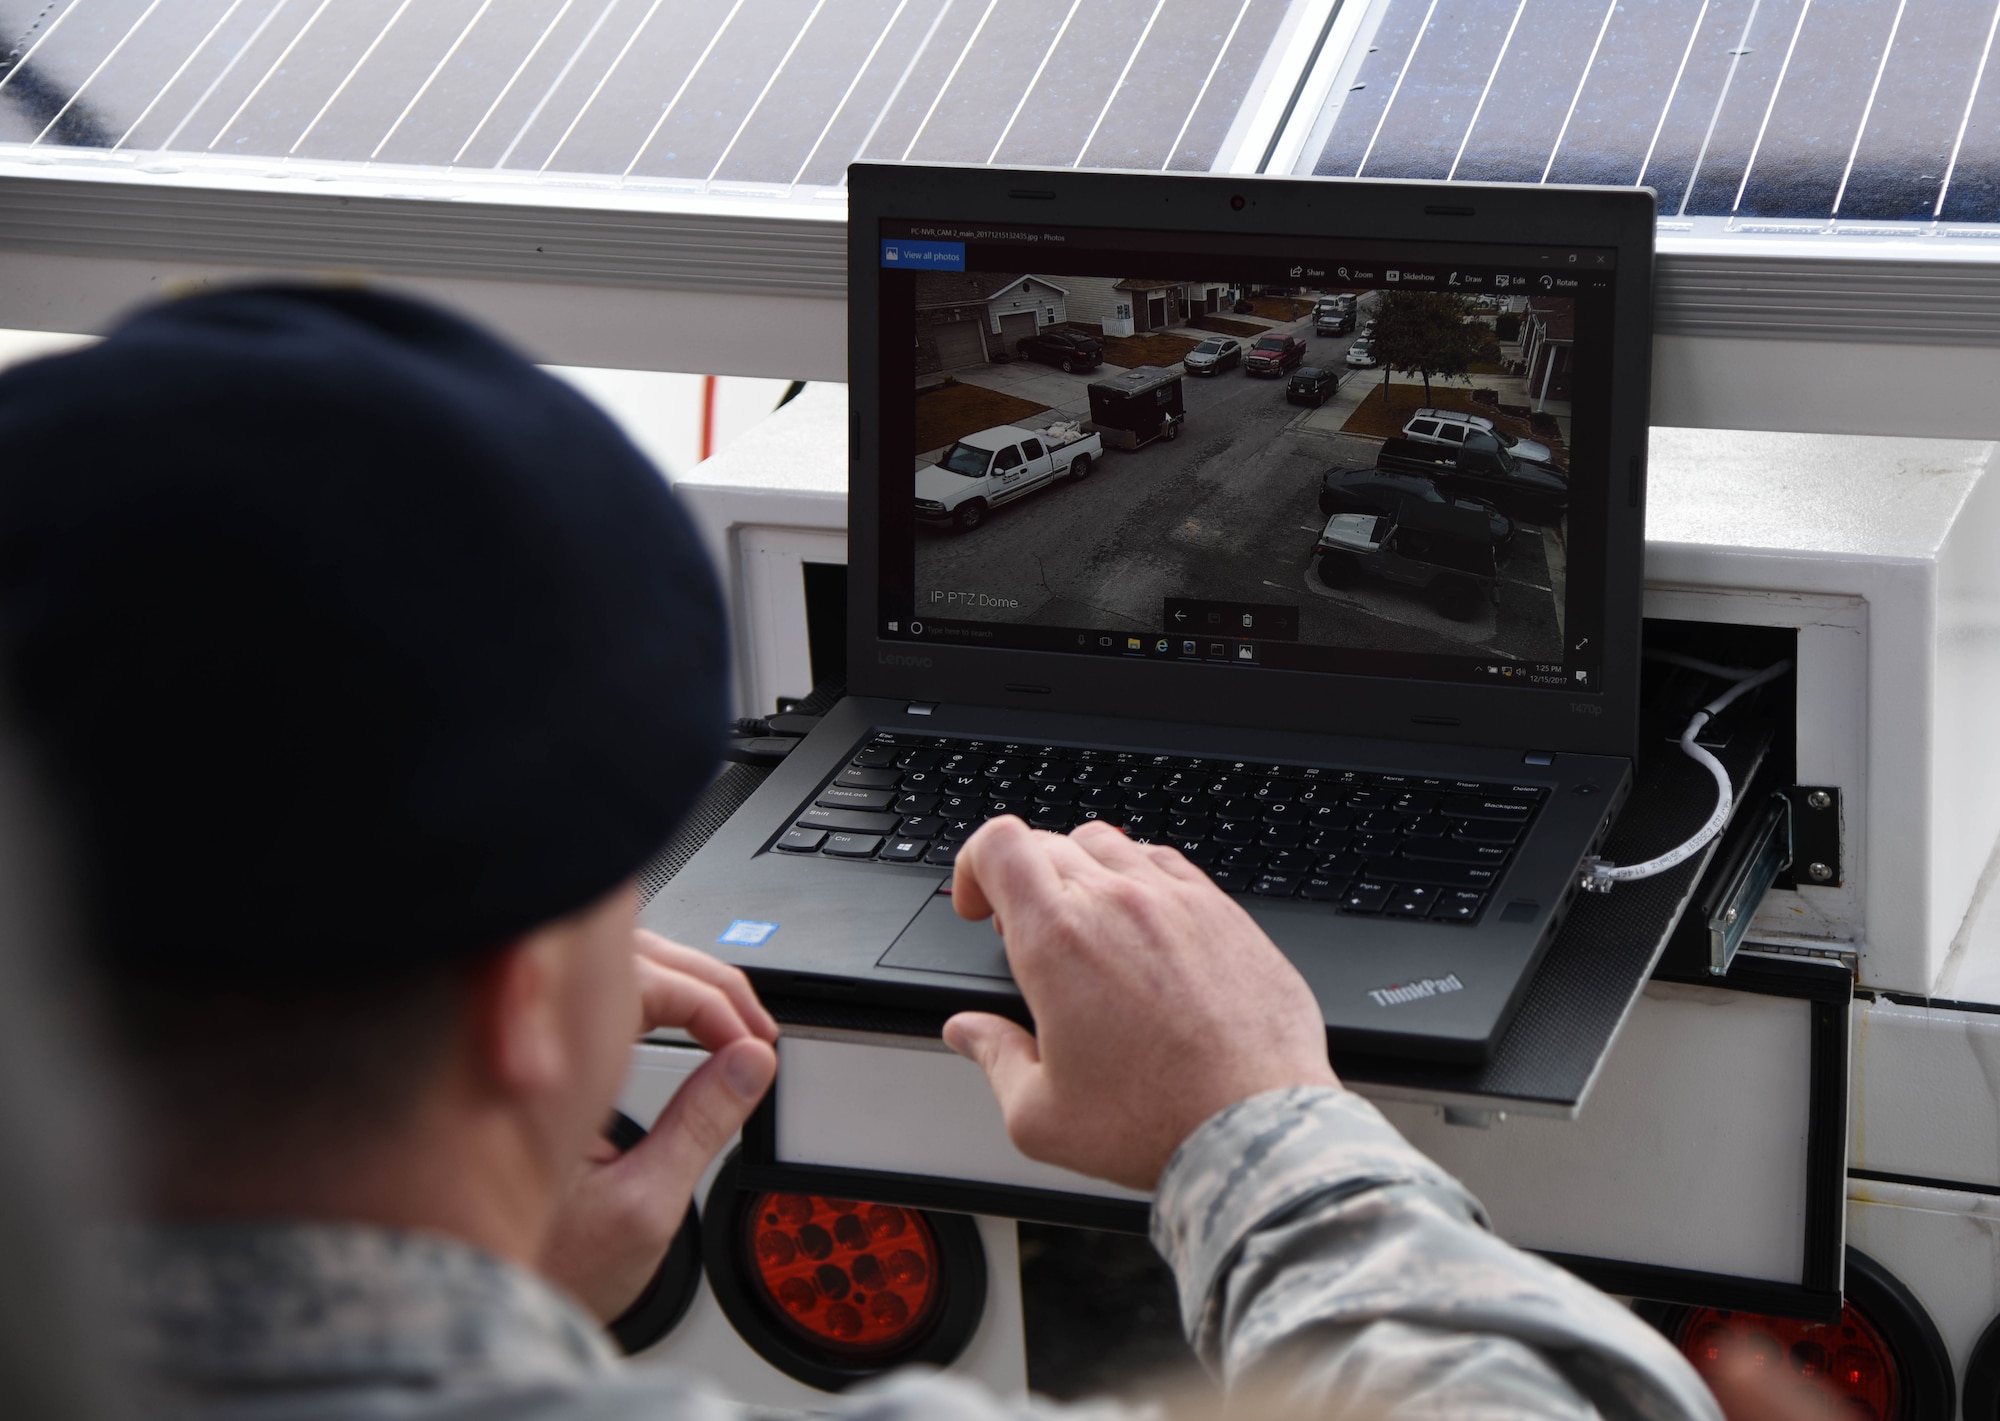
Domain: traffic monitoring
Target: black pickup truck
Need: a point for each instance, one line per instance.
(1483, 468)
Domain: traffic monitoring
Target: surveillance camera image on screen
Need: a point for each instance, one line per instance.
(1217, 460)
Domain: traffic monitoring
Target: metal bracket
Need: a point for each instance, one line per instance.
(1749, 863)
(1815, 836)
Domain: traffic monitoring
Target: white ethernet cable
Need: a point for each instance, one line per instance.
(1599, 876)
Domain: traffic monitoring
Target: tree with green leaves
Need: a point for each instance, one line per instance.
(1427, 334)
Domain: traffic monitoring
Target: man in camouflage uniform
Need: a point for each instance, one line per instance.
(369, 665)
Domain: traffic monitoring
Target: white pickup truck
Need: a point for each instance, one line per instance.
(998, 464)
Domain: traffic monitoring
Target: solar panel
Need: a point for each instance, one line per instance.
(784, 92)
(1779, 110)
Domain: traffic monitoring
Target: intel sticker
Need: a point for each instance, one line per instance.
(745, 933)
(924, 256)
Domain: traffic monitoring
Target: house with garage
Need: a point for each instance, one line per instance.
(1548, 330)
(1134, 305)
(969, 317)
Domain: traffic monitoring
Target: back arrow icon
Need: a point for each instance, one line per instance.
(1180, 615)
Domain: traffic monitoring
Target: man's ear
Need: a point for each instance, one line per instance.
(516, 1017)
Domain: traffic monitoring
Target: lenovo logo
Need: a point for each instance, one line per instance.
(1417, 990)
(897, 658)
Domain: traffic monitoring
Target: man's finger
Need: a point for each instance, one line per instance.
(703, 1118)
(1110, 847)
(1007, 1054)
(1003, 862)
(717, 973)
(670, 998)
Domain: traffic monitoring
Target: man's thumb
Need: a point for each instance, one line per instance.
(712, 1104)
(1007, 1054)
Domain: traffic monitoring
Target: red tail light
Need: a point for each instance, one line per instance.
(834, 1290)
(851, 1277)
(1848, 1360)
(1881, 1358)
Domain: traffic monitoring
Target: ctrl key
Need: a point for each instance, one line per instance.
(802, 841)
(853, 846)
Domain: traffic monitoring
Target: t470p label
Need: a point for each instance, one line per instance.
(1417, 990)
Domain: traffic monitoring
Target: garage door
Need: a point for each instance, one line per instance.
(1018, 326)
(958, 344)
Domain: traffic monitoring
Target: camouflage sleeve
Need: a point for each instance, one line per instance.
(1313, 1243)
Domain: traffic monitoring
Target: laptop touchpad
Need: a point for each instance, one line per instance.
(938, 940)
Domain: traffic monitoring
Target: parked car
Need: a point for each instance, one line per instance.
(1364, 490)
(1072, 350)
(1212, 357)
(1434, 548)
(1482, 468)
(1311, 384)
(1333, 321)
(1274, 355)
(1361, 354)
(997, 465)
(1436, 426)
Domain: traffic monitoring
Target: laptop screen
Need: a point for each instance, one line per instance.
(1365, 458)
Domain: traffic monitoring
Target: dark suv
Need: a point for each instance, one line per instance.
(1351, 490)
(1274, 355)
(1072, 350)
(1311, 384)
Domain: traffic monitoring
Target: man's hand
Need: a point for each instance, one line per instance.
(1157, 1001)
(622, 1211)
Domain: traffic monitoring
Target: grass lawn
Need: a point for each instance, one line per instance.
(1372, 419)
(1224, 326)
(946, 413)
(1157, 348)
(1280, 308)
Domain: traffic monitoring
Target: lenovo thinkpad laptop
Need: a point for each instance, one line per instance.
(1350, 619)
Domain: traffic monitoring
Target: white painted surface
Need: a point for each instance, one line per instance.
(661, 412)
(1908, 526)
(615, 327)
(772, 501)
(706, 1343)
(1834, 387)
(1690, 1153)
(1926, 1083)
(907, 1107)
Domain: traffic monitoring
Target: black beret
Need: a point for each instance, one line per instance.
(347, 639)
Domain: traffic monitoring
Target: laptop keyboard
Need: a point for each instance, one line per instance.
(1394, 845)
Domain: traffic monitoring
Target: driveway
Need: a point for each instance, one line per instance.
(1044, 384)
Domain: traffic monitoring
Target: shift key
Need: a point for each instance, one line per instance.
(849, 821)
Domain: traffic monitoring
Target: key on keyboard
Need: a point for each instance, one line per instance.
(1401, 846)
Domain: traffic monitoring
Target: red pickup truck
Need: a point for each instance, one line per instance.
(1274, 355)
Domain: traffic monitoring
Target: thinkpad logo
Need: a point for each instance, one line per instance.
(1417, 990)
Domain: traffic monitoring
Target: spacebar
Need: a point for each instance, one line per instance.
(1445, 875)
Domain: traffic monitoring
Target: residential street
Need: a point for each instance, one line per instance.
(1228, 512)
